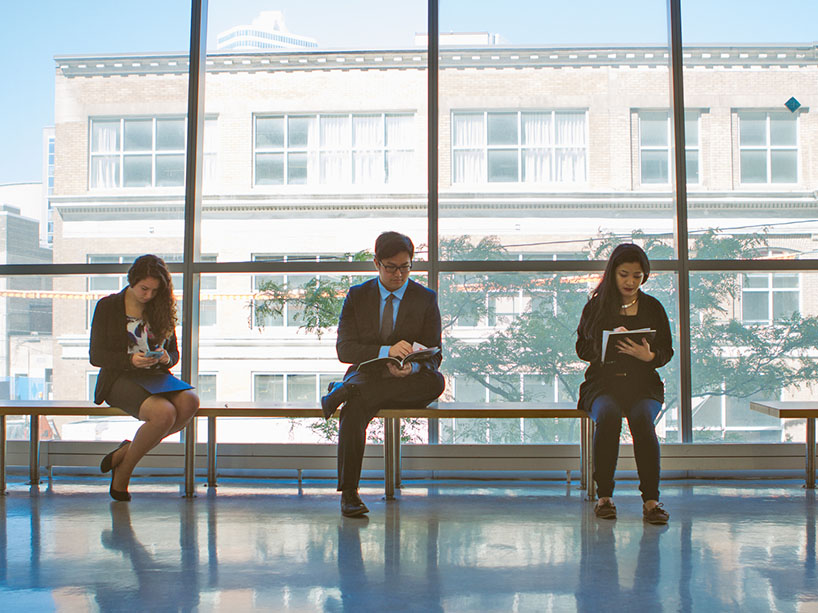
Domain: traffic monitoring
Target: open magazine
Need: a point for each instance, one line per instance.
(419, 353)
(611, 338)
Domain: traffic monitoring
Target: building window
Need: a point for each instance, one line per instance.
(655, 147)
(268, 388)
(337, 149)
(143, 152)
(519, 147)
(206, 387)
(768, 147)
(290, 286)
(274, 388)
(502, 305)
(769, 297)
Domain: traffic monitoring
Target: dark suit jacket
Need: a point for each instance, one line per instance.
(358, 330)
(109, 344)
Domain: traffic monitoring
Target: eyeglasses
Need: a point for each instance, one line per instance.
(392, 269)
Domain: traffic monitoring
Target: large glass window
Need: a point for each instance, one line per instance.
(539, 145)
(749, 341)
(553, 143)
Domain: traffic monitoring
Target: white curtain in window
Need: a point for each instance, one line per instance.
(399, 142)
(570, 129)
(399, 167)
(367, 158)
(537, 129)
(335, 145)
(104, 172)
(537, 166)
(570, 157)
(537, 138)
(367, 132)
(468, 130)
(570, 166)
(399, 131)
(313, 157)
(105, 137)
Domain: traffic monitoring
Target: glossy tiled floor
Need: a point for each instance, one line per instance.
(258, 545)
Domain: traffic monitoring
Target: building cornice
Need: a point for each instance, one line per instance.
(494, 57)
(330, 206)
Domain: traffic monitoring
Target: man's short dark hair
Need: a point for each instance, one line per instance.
(389, 244)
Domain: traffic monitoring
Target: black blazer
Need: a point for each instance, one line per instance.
(359, 328)
(109, 344)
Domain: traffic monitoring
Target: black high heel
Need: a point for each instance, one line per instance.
(119, 495)
(108, 461)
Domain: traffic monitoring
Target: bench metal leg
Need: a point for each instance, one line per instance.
(2, 454)
(583, 446)
(588, 459)
(34, 450)
(190, 458)
(396, 452)
(389, 458)
(211, 451)
(810, 453)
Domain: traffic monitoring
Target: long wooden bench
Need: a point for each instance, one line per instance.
(795, 409)
(391, 417)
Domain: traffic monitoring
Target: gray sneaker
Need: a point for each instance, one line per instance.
(605, 510)
(657, 515)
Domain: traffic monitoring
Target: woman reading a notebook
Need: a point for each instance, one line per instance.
(626, 383)
(133, 341)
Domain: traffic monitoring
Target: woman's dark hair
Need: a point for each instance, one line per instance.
(393, 243)
(160, 312)
(605, 297)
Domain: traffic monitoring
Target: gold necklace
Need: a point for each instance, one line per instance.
(625, 307)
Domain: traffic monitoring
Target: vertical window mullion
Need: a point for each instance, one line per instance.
(769, 144)
(154, 127)
(519, 147)
(486, 146)
(669, 149)
(285, 150)
(121, 136)
(350, 161)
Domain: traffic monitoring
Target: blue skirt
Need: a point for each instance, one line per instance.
(132, 388)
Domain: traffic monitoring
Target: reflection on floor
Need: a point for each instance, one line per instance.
(480, 546)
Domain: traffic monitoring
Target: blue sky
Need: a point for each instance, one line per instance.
(33, 32)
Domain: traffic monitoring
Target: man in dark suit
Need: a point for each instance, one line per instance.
(383, 316)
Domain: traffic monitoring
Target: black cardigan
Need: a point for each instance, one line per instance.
(109, 344)
(629, 377)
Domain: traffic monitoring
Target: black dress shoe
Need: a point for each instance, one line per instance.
(108, 461)
(351, 504)
(118, 495)
(337, 394)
